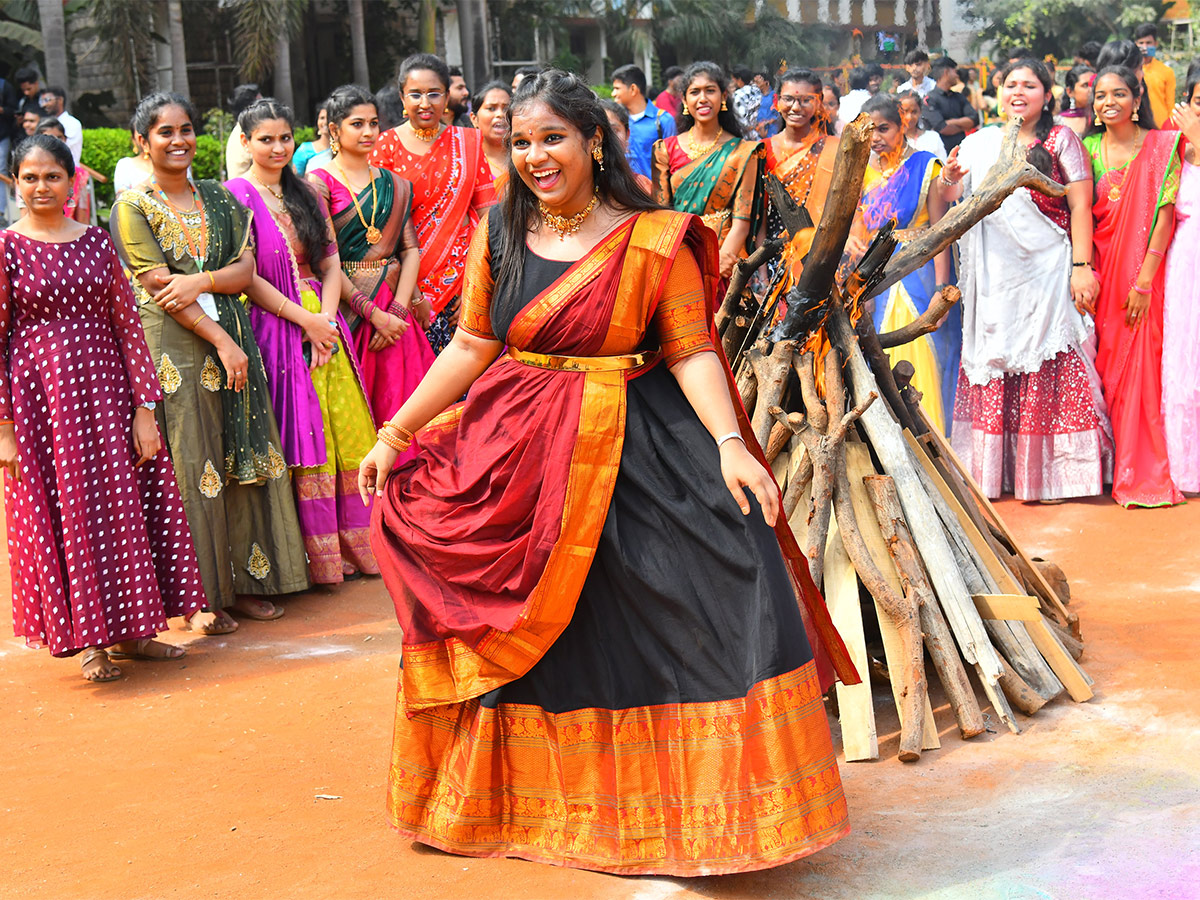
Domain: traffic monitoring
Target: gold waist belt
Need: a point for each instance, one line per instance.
(372, 265)
(716, 220)
(584, 363)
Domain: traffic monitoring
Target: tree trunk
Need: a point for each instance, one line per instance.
(179, 73)
(283, 70)
(358, 44)
(54, 40)
(427, 27)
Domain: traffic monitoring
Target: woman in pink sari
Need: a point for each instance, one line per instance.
(1137, 180)
(378, 250)
(451, 185)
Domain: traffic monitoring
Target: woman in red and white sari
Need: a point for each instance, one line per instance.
(452, 186)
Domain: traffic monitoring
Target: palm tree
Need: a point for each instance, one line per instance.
(283, 69)
(179, 74)
(54, 41)
(259, 26)
(358, 44)
(427, 27)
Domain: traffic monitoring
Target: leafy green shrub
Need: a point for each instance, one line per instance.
(210, 157)
(102, 147)
(603, 91)
(307, 133)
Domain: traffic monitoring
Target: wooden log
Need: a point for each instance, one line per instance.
(1022, 696)
(881, 366)
(926, 323)
(1010, 172)
(799, 481)
(771, 366)
(1024, 610)
(779, 438)
(889, 445)
(900, 607)
(903, 550)
(858, 466)
(743, 269)
(856, 710)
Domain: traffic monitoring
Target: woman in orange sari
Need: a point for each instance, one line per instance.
(801, 155)
(707, 169)
(1136, 171)
(605, 662)
(452, 186)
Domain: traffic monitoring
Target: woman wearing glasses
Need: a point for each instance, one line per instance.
(452, 185)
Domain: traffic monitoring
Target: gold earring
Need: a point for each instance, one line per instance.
(145, 154)
(598, 156)
(1097, 121)
(334, 146)
(724, 108)
(1135, 115)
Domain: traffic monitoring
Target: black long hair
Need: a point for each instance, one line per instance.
(1127, 75)
(812, 79)
(343, 99)
(298, 198)
(421, 62)
(1193, 79)
(147, 111)
(1072, 80)
(569, 98)
(1129, 55)
(1037, 154)
(726, 117)
(52, 145)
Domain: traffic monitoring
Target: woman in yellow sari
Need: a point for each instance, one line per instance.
(707, 169)
(605, 657)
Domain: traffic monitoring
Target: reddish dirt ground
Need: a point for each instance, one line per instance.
(200, 778)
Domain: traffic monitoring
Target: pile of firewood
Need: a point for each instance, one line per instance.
(876, 496)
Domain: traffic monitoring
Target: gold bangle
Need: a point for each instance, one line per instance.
(196, 321)
(212, 281)
(404, 433)
(392, 441)
(282, 304)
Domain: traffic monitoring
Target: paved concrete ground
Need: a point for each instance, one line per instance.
(200, 778)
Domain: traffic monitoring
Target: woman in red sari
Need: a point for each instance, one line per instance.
(1136, 173)
(452, 186)
(605, 663)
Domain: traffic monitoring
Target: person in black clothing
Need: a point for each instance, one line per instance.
(949, 113)
(30, 85)
(10, 130)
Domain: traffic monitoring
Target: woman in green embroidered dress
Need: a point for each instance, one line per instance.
(184, 246)
(708, 169)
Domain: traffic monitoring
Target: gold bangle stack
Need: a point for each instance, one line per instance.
(398, 443)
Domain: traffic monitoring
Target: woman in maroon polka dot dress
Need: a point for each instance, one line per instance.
(99, 546)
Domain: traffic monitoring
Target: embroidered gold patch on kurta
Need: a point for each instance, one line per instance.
(211, 481)
(258, 565)
(168, 375)
(210, 375)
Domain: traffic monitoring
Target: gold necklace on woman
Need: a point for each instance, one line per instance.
(373, 234)
(1114, 192)
(197, 248)
(565, 225)
(698, 151)
(428, 135)
(278, 195)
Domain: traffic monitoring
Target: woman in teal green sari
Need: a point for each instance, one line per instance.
(184, 246)
(708, 169)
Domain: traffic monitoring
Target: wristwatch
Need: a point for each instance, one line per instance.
(149, 404)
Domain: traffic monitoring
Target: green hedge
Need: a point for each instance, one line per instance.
(103, 147)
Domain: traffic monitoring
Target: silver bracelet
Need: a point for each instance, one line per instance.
(732, 436)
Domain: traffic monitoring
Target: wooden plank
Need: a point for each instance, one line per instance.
(858, 465)
(1064, 666)
(1009, 607)
(1041, 585)
(856, 709)
(999, 572)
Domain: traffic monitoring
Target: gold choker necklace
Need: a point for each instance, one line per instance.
(564, 225)
(428, 135)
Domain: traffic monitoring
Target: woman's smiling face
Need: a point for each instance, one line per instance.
(552, 157)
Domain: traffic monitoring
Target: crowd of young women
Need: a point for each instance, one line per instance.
(184, 407)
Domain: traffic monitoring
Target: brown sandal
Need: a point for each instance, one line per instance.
(97, 666)
(166, 653)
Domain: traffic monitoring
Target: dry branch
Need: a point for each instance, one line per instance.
(937, 633)
(926, 323)
(771, 366)
(742, 270)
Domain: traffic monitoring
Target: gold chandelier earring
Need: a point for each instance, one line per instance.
(1097, 120)
(598, 156)
(1135, 115)
(334, 145)
(724, 107)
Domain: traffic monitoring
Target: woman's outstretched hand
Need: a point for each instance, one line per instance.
(741, 471)
(380, 459)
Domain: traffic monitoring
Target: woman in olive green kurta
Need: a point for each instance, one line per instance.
(224, 443)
